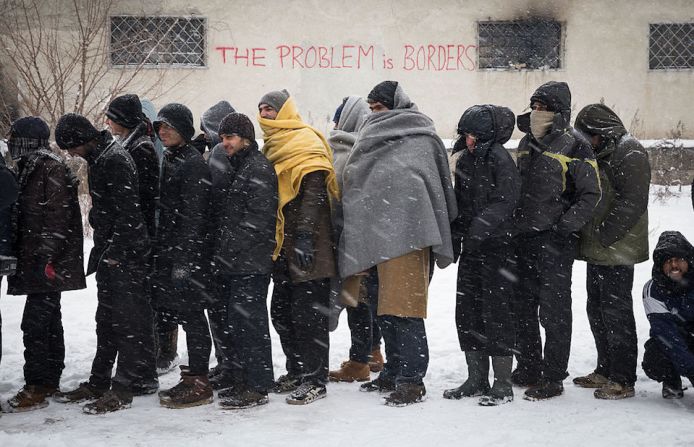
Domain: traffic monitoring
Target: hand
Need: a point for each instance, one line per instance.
(49, 271)
(304, 251)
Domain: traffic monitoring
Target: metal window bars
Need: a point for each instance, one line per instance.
(671, 46)
(524, 44)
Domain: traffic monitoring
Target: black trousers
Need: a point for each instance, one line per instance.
(407, 349)
(217, 317)
(248, 348)
(124, 329)
(483, 310)
(543, 296)
(611, 316)
(363, 325)
(198, 340)
(658, 366)
(299, 315)
(44, 345)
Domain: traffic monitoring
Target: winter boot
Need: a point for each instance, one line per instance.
(350, 371)
(525, 377)
(244, 398)
(31, 397)
(286, 384)
(544, 390)
(167, 355)
(191, 391)
(145, 387)
(477, 383)
(502, 390)
(380, 383)
(672, 387)
(113, 400)
(307, 393)
(592, 380)
(614, 391)
(84, 392)
(406, 394)
(376, 360)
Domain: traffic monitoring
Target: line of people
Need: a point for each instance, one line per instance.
(360, 219)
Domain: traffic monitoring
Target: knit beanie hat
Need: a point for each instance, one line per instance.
(178, 117)
(125, 110)
(27, 135)
(275, 99)
(239, 124)
(384, 93)
(212, 118)
(74, 130)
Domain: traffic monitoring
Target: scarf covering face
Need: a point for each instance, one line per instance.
(295, 149)
(540, 122)
(398, 196)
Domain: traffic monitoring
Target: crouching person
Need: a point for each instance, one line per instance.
(180, 268)
(243, 248)
(48, 244)
(487, 189)
(668, 299)
(119, 259)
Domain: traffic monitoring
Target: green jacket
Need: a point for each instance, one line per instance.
(617, 234)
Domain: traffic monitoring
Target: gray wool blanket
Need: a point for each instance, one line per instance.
(397, 194)
(342, 138)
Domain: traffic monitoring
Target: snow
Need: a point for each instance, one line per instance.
(351, 418)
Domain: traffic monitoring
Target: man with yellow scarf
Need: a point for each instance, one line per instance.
(305, 253)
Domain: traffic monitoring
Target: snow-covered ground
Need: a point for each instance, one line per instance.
(350, 418)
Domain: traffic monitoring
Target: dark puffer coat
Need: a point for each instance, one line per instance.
(182, 242)
(120, 233)
(618, 232)
(48, 227)
(559, 179)
(487, 183)
(244, 202)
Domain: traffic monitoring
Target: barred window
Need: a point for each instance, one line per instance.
(671, 46)
(158, 41)
(527, 44)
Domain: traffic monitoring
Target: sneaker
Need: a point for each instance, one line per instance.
(84, 392)
(544, 390)
(376, 360)
(592, 380)
(406, 394)
(111, 401)
(145, 387)
(672, 391)
(30, 398)
(246, 398)
(614, 391)
(523, 378)
(167, 364)
(307, 393)
(380, 384)
(191, 391)
(350, 371)
(286, 384)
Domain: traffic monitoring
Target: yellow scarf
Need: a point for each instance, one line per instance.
(295, 149)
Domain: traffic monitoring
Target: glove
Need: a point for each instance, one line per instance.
(180, 276)
(303, 251)
(49, 271)
(457, 248)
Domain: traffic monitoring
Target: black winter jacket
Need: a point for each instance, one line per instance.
(487, 183)
(120, 233)
(8, 195)
(244, 205)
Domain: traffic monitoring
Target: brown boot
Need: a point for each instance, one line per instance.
(350, 371)
(31, 397)
(191, 391)
(376, 360)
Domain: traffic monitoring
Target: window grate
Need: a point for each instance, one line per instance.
(671, 46)
(528, 44)
(158, 41)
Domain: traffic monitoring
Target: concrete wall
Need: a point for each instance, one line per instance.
(606, 56)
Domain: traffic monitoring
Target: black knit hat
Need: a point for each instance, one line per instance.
(177, 116)
(239, 124)
(125, 110)
(27, 134)
(74, 130)
(384, 93)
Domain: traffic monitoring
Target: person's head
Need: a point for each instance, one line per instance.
(123, 114)
(338, 112)
(209, 123)
(237, 133)
(174, 125)
(76, 134)
(673, 262)
(27, 135)
(675, 268)
(550, 108)
(271, 103)
(482, 125)
(600, 125)
(382, 97)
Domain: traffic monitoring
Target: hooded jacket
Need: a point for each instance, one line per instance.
(617, 234)
(669, 305)
(211, 119)
(559, 179)
(487, 183)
